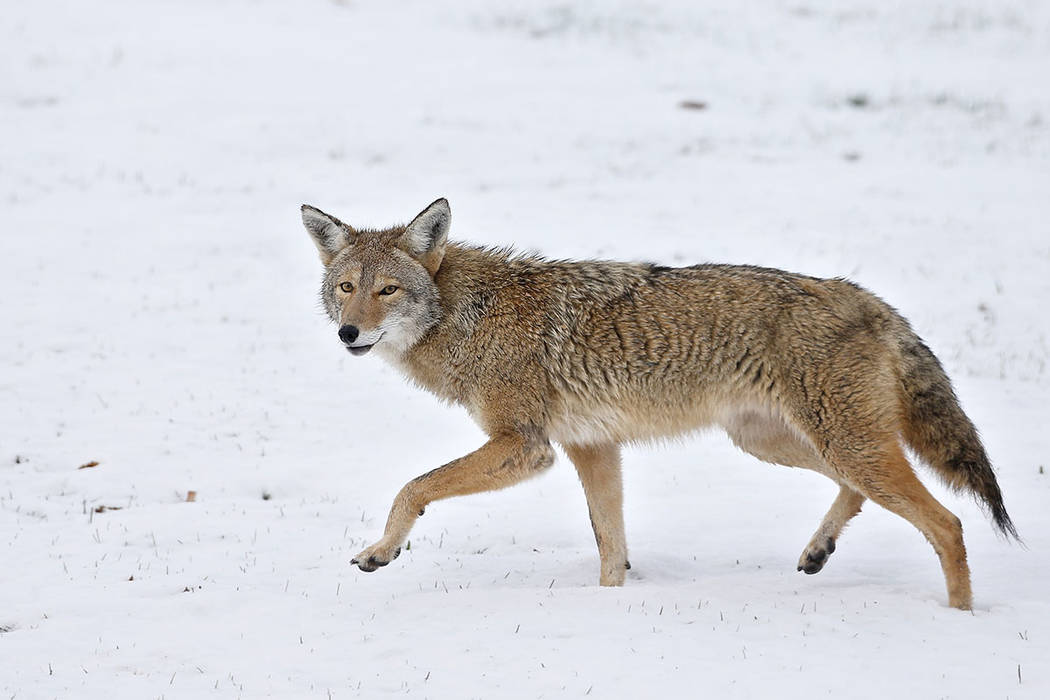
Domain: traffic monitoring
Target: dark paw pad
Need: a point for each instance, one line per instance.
(370, 564)
(814, 561)
(373, 563)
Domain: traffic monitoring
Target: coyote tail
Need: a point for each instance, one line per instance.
(942, 435)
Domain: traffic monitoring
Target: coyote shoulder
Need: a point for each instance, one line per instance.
(800, 371)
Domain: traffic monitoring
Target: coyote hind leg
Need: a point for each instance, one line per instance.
(884, 475)
(846, 505)
(770, 439)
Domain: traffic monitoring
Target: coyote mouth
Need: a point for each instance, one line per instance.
(358, 350)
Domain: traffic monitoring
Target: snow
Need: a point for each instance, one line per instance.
(160, 316)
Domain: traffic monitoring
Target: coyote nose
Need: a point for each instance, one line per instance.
(348, 334)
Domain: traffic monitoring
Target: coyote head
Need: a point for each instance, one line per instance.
(379, 285)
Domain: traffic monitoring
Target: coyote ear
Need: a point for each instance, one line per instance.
(425, 238)
(329, 233)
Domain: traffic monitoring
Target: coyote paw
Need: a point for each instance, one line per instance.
(376, 556)
(612, 574)
(614, 569)
(815, 556)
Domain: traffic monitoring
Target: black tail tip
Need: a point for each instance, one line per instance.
(1004, 524)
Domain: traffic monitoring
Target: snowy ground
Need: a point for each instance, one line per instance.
(159, 315)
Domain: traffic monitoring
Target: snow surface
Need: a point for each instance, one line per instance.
(159, 315)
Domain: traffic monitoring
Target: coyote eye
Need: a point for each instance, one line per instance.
(346, 287)
(389, 289)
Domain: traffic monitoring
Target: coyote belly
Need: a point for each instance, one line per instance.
(800, 371)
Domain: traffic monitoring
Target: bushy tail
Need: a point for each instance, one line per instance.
(942, 435)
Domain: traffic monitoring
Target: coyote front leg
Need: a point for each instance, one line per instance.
(599, 470)
(505, 460)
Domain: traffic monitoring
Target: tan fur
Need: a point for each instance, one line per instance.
(599, 469)
(800, 371)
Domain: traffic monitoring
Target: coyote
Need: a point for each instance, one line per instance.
(800, 371)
